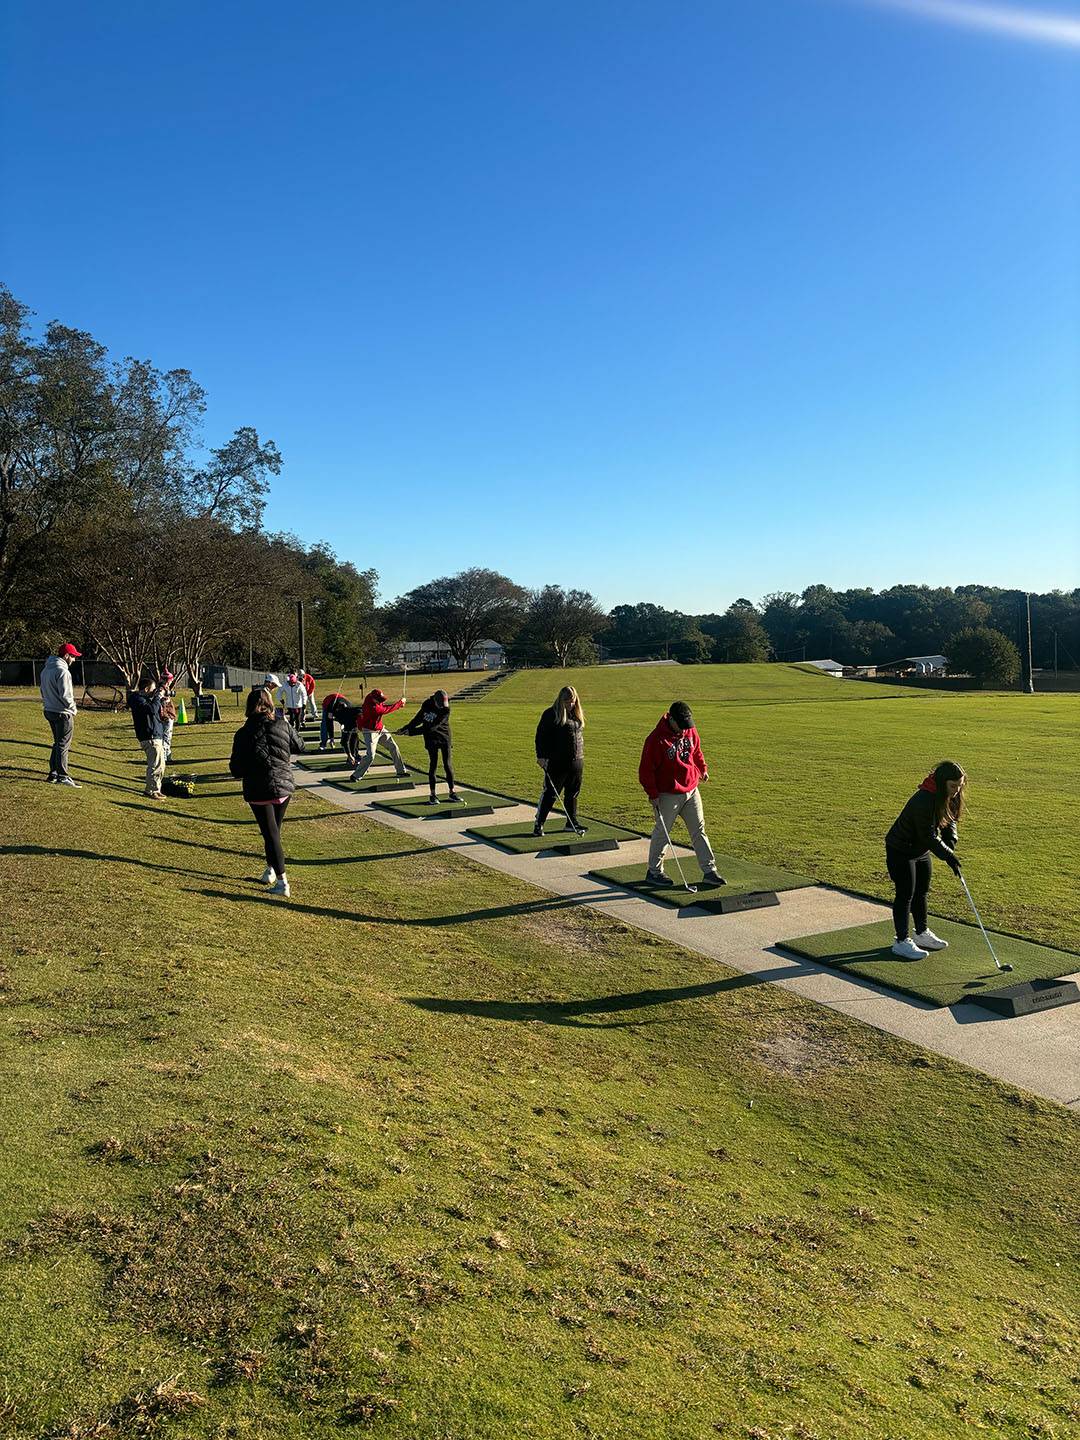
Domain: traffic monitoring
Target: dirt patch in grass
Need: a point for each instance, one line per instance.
(291, 1059)
(801, 1046)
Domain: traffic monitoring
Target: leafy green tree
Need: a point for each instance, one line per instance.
(738, 635)
(461, 610)
(986, 654)
(557, 622)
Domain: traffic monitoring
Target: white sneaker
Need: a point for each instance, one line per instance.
(268, 876)
(281, 888)
(908, 950)
(929, 941)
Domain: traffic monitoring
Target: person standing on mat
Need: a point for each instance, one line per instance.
(372, 711)
(58, 702)
(308, 682)
(560, 753)
(672, 767)
(432, 721)
(348, 717)
(262, 758)
(926, 826)
(292, 697)
(326, 725)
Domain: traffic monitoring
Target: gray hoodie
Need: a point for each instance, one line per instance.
(57, 691)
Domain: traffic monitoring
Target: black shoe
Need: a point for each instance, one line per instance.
(658, 878)
(538, 830)
(711, 881)
(577, 829)
(432, 801)
(51, 778)
(454, 800)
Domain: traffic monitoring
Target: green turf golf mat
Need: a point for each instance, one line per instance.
(370, 783)
(945, 976)
(472, 802)
(744, 878)
(334, 760)
(520, 840)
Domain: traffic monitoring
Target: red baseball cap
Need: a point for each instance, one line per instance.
(70, 651)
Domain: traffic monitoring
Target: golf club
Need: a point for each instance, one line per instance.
(577, 829)
(982, 927)
(690, 889)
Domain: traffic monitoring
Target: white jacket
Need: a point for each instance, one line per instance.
(57, 691)
(292, 697)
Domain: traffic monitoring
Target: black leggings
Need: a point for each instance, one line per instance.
(435, 748)
(269, 819)
(912, 881)
(568, 780)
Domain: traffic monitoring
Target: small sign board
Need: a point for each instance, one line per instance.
(206, 708)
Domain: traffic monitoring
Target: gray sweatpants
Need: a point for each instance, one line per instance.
(690, 808)
(371, 741)
(62, 727)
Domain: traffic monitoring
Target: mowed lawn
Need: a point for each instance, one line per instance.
(808, 773)
(426, 1153)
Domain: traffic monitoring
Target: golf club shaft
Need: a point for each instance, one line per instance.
(674, 854)
(978, 917)
(555, 791)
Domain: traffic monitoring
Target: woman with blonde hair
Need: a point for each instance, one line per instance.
(560, 753)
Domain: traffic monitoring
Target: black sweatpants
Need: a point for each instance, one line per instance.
(912, 881)
(269, 819)
(435, 748)
(567, 779)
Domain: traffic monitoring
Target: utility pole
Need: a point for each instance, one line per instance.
(1027, 679)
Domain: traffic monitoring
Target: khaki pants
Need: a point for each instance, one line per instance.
(371, 740)
(690, 808)
(155, 765)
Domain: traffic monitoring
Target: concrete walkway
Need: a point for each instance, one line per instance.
(1039, 1053)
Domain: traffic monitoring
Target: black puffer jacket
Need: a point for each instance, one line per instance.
(915, 831)
(432, 721)
(559, 745)
(260, 757)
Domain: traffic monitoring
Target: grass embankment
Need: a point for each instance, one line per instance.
(806, 777)
(430, 1153)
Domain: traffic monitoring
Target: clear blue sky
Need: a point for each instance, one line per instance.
(676, 302)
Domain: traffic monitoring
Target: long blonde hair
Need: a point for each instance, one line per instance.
(567, 707)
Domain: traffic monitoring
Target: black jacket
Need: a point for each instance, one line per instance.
(141, 706)
(560, 745)
(432, 721)
(346, 715)
(260, 757)
(915, 831)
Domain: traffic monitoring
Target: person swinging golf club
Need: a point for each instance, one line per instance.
(672, 767)
(432, 721)
(374, 708)
(926, 826)
(560, 753)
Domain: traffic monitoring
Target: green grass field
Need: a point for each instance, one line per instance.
(426, 1153)
(808, 773)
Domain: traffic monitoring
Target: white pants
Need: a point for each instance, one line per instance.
(155, 765)
(690, 808)
(371, 742)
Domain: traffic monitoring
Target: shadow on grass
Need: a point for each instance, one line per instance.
(569, 1012)
(463, 917)
(55, 852)
(211, 820)
(26, 744)
(294, 860)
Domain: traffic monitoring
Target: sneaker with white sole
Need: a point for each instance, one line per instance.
(268, 876)
(67, 780)
(281, 888)
(929, 941)
(908, 950)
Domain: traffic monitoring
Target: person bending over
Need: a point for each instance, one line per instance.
(926, 826)
(262, 758)
(372, 712)
(672, 767)
(432, 721)
(326, 725)
(560, 753)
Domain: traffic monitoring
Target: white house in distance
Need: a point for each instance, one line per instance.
(433, 655)
(828, 667)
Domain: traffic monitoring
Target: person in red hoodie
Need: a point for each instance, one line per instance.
(372, 712)
(672, 767)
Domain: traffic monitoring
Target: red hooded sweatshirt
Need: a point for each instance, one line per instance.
(374, 708)
(671, 764)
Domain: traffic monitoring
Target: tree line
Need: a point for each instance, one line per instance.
(121, 526)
